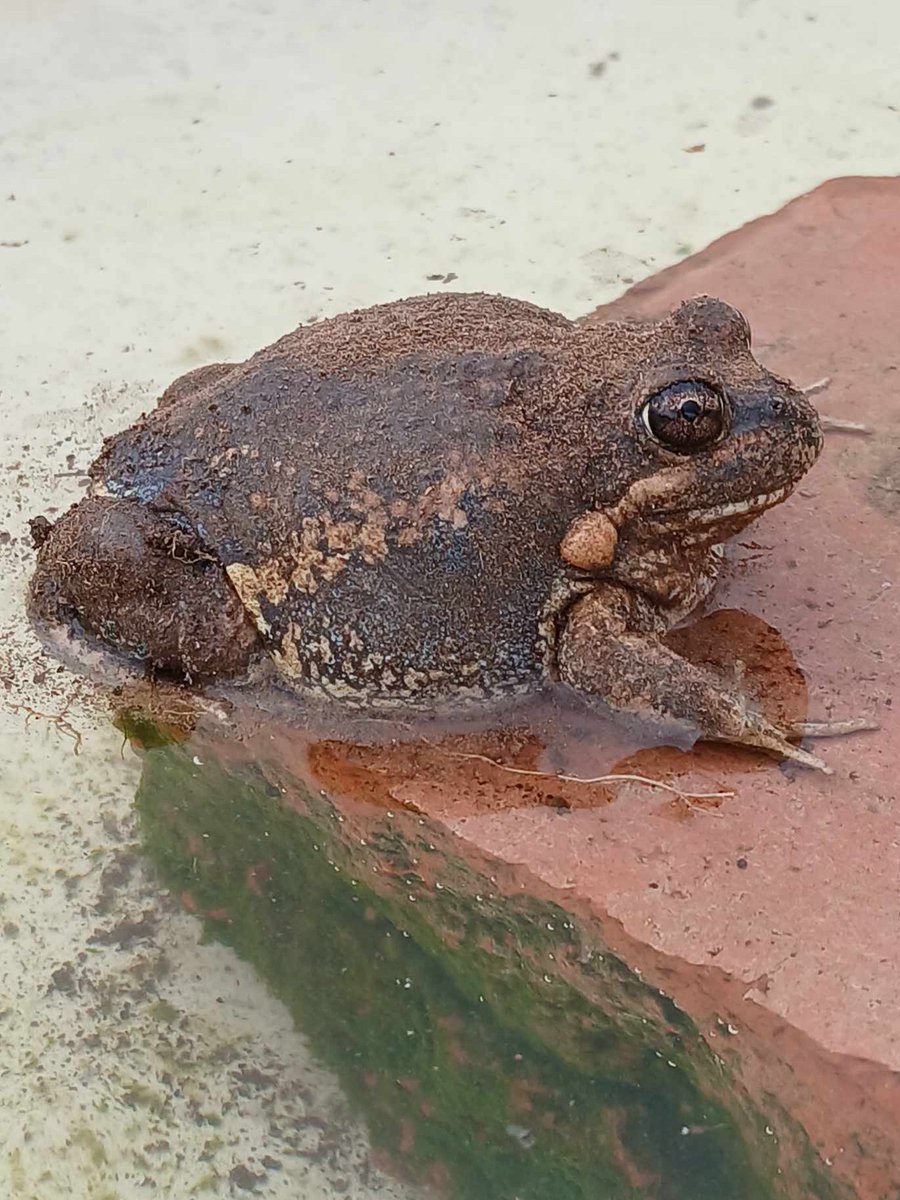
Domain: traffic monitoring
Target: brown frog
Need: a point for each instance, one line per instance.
(441, 501)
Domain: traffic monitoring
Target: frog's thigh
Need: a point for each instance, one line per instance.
(604, 651)
(129, 578)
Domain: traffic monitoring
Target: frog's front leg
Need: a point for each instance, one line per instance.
(610, 647)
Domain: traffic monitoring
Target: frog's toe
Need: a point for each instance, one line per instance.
(763, 735)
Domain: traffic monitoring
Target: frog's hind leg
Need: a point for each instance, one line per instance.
(136, 581)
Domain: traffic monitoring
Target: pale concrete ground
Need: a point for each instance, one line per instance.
(183, 182)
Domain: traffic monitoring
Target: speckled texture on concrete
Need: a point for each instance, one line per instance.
(184, 182)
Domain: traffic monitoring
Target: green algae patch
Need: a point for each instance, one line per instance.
(144, 733)
(493, 1044)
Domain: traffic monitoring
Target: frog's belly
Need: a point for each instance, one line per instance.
(408, 638)
(384, 655)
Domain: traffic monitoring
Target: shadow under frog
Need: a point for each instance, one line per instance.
(438, 503)
(494, 1040)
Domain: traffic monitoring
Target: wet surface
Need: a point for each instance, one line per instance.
(498, 1037)
(498, 1040)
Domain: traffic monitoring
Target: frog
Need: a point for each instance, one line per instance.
(439, 503)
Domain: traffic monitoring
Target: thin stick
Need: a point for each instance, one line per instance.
(615, 778)
(838, 425)
(824, 729)
(820, 385)
(56, 719)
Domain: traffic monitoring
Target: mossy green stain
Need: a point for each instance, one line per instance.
(433, 1036)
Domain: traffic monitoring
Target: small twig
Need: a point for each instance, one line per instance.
(823, 729)
(838, 425)
(812, 389)
(614, 778)
(56, 719)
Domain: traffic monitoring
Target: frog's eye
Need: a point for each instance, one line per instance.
(685, 416)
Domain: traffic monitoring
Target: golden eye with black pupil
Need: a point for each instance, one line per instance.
(684, 416)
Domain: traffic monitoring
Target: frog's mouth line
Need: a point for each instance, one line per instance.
(701, 519)
(740, 508)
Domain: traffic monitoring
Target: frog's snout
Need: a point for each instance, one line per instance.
(787, 427)
(809, 433)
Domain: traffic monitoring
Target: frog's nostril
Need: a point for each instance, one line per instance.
(777, 406)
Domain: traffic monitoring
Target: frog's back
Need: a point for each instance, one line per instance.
(436, 326)
(367, 483)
